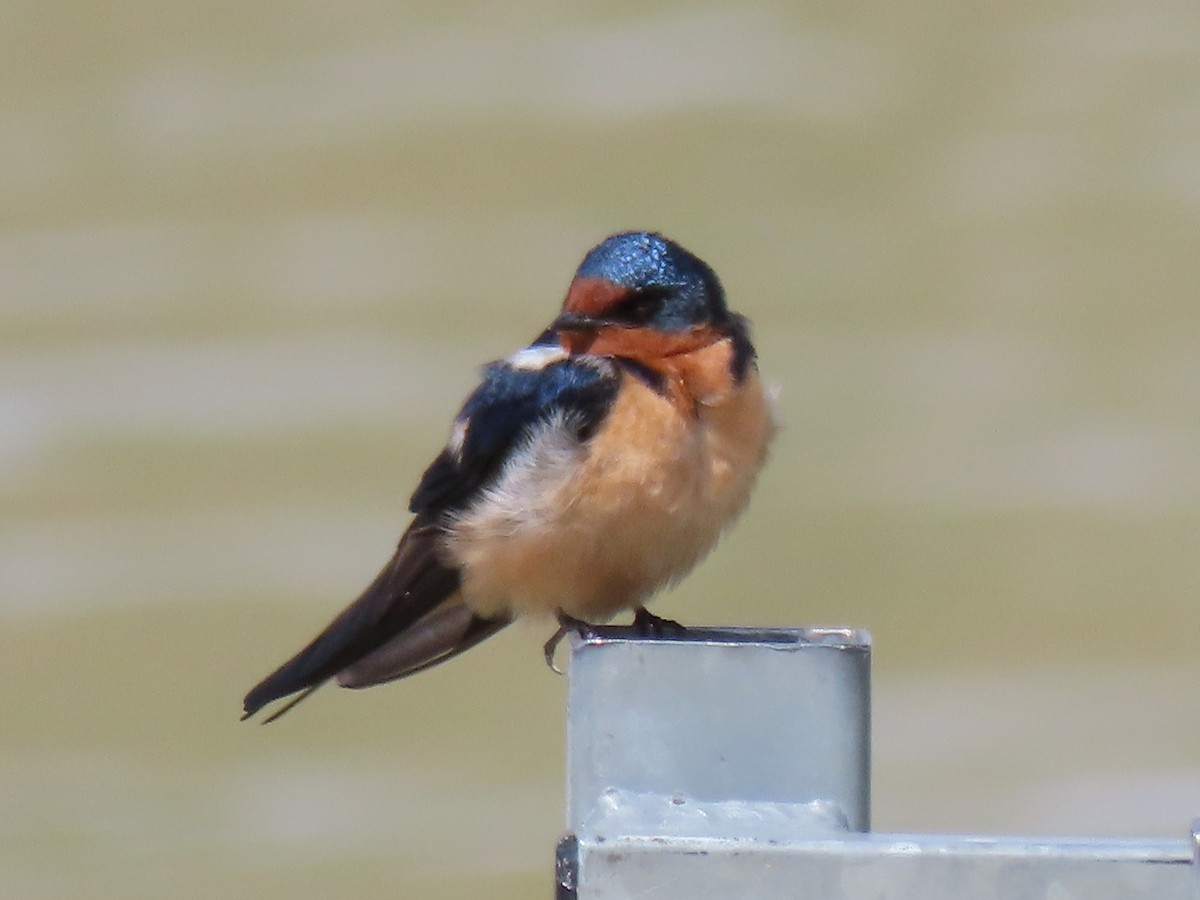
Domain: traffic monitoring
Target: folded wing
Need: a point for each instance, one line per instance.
(412, 616)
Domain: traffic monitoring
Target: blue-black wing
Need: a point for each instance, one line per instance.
(410, 617)
(506, 407)
(411, 586)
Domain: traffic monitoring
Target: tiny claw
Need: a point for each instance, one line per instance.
(649, 625)
(566, 624)
(551, 645)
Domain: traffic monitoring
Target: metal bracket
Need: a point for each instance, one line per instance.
(735, 763)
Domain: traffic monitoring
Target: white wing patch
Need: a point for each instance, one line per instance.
(458, 437)
(534, 359)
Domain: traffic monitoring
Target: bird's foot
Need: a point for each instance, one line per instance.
(566, 624)
(649, 625)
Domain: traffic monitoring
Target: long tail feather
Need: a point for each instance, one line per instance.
(413, 584)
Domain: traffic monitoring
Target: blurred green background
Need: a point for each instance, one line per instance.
(250, 256)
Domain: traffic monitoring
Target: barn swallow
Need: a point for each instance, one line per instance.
(586, 471)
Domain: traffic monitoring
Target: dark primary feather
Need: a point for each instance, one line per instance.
(409, 587)
(399, 625)
(447, 631)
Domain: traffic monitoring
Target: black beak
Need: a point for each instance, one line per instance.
(575, 322)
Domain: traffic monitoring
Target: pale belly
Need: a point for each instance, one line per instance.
(595, 528)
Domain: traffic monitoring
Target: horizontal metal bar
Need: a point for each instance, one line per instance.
(876, 867)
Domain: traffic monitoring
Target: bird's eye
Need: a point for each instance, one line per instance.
(641, 307)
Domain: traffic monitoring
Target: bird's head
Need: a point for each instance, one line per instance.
(639, 279)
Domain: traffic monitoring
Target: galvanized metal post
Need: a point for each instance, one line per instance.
(735, 763)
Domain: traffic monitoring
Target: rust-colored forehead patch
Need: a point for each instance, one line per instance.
(592, 296)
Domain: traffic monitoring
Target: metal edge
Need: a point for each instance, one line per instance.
(566, 869)
(839, 638)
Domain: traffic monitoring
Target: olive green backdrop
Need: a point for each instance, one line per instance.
(251, 254)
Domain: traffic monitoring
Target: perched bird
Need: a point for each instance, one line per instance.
(585, 472)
